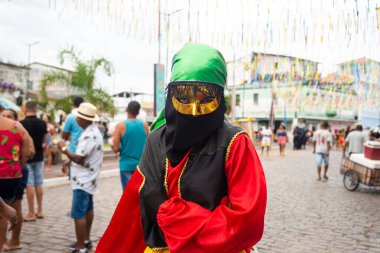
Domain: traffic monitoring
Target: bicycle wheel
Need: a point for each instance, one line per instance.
(351, 180)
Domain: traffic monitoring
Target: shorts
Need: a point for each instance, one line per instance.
(81, 204)
(22, 185)
(322, 157)
(35, 173)
(125, 176)
(8, 188)
(48, 139)
(281, 140)
(265, 142)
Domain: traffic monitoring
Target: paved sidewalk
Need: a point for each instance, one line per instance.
(303, 215)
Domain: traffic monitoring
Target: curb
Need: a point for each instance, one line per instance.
(60, 181)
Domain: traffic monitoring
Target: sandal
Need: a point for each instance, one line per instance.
(39, 216)
(7, 248)
(29, 219)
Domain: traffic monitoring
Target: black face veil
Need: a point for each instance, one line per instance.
(186, 131)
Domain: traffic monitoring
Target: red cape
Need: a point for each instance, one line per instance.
(235, 225)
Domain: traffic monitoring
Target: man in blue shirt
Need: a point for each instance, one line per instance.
(71, 130)
(129, 140)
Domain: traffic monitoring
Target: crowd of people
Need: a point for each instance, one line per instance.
(25, 145)
(31, 143)
(352, 143)
(323, 140)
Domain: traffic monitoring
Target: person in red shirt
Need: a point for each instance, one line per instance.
(16, 148)
(199, 186)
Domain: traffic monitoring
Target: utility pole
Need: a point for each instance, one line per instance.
(272, 115)
(188, 21)
(233, 95)
(243, 103)
(159, 31)
(161, 71)
(28, 82)
(167, 40)
(285, 117)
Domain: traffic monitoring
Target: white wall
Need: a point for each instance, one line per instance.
(55, 90)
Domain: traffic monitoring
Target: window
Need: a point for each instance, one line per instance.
(237, 102)
(255, 99)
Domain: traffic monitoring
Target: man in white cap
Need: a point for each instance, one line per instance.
(85, 169)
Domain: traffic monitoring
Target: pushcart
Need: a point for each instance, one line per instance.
(356, 172)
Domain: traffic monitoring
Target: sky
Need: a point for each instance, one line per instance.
(30, 21)
(126, 32)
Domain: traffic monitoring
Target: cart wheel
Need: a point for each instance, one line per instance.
(351, 180)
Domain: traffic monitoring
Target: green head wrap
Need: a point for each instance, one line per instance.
(196, 62)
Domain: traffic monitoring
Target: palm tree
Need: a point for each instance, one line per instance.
(81, 82)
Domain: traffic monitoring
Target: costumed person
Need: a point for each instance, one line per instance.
(199, 186)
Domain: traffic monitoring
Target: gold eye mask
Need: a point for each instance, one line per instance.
(195, 107)
(194, 99)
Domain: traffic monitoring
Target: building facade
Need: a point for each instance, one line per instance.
(13, 81)
(122, 99)
(365, 74)
(56, 90)
(278, 89)
(24, 81)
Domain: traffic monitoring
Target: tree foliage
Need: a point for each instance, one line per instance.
(81, 81)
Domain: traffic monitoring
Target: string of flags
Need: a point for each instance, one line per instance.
(317, 30)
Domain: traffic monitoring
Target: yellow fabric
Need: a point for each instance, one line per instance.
(149, 250)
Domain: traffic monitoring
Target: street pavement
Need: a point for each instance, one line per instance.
(303, 214)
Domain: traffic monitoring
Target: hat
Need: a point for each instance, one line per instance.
(6, 104)
(87, 111)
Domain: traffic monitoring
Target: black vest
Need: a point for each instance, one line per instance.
(203, 180)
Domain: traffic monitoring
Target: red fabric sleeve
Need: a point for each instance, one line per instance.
(236, 224)
(124, 232)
